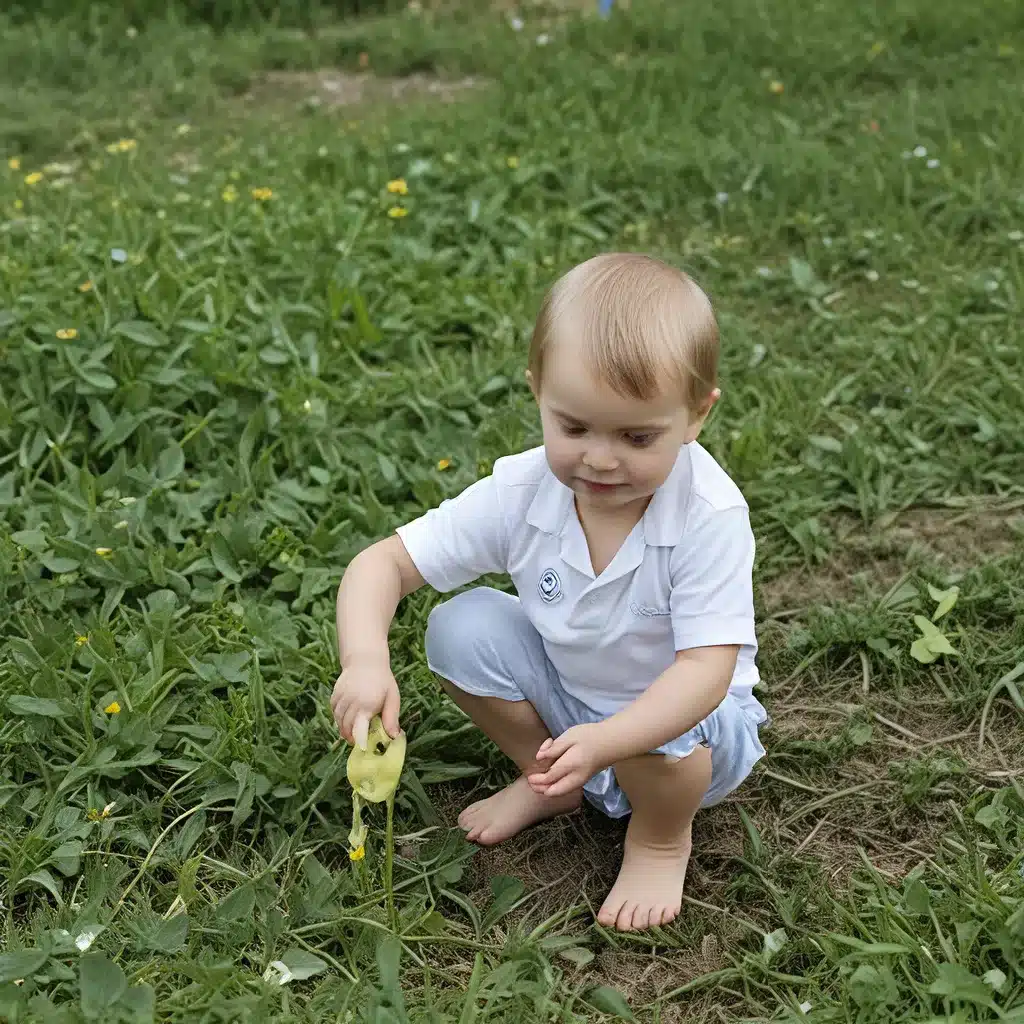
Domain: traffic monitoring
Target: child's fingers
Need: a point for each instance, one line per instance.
(361, 729)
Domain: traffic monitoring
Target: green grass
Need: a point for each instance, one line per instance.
(259, 389)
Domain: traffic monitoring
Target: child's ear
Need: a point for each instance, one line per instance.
(698, 419)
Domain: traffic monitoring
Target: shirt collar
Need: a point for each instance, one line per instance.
(664, 520)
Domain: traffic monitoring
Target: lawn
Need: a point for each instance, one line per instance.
(267, 294)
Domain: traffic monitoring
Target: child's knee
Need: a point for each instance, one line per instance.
(463, 629)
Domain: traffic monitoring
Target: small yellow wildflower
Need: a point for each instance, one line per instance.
(262, 194)
(34, 178)
(85, 286)
(357, 854)
(104, 552)
(398, 187)
(94, 815)
(776, 88)
(183, 129)
(18, 204)
(230, 194)
(122, 146)
(67, 334)
(443, 464)
(397, 212)
(513, 162)
(1006, 50)
(81, 640)
(14, 162)
(877, 47)
(112, 709)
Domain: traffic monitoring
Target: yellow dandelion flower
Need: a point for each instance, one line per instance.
(81, 640)
(877, 48)
(513, 162)
(776, 88)
(357, 854)
(397, 212)
(230, 194)
(398, 187)
(67, 334)
(18, 204)
(122, 146)
(262, 194)
(14, 162)
(113, 708)
(34, 178)
(85, 286)
(104, 552)
(443, 464)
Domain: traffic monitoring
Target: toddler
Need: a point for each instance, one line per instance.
(623, 671)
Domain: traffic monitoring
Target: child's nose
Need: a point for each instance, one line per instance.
(600, 457)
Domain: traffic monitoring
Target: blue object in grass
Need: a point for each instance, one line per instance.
(604, 7)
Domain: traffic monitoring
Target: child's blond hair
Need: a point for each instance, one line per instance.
(641, 323)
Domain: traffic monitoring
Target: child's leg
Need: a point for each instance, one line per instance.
(488, 656)
(516, 728)
(665, 796)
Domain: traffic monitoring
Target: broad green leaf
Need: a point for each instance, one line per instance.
(873, 986)
(21, 963)
(171, 462)
(578, 955)
(609, 1000)
(920, 651)
(101, 983)
(917, 897)
(956, 982)
(927, 627)
(43, 878)
(141, 332)
(67, 858)
(298, 965)
(507, 891)
(237, 905)
(168, 936)
(139, 1002)
(224, 560)
(946, 601)
(22, 704)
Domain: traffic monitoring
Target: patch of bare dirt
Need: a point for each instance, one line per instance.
(954, 540)
(333, 88)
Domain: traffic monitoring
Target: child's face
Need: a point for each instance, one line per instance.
(611, 451)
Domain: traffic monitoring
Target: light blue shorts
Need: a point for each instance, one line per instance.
(482, 642)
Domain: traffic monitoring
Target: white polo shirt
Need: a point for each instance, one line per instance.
(681, 579)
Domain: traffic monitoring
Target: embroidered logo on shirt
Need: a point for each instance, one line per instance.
(550, 586)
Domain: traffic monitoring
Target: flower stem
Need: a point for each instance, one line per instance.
(389, 863)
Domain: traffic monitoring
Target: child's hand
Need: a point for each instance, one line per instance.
(578, 753)
(364, 689)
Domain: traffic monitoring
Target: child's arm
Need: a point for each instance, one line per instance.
(373, 585)
(680, 698)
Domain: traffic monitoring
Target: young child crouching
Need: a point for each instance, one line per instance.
(623, 670)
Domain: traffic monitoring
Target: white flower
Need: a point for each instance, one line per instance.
(123, 525)
(991, 286)
(920, 152)
(764, 272)
(307, 405)
(827, 242)
(543, 39)
(1016, 236)
(278, 971)
(86, 939)
(932, 164)
(911, 282)
(118, 255)
(721, 198)
(516, 23)
(805, 1007)
(871, 275)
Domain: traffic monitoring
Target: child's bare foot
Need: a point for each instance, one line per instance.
(516, 807)
(649, 889)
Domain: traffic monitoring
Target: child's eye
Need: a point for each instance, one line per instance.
(640, 440)
(573, 430)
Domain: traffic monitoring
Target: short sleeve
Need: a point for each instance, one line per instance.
(460, 540)
(712, 598)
